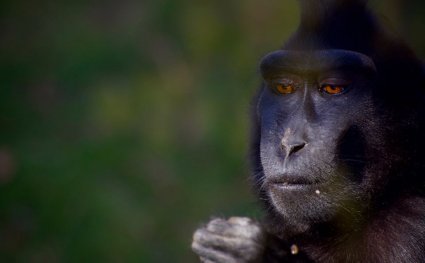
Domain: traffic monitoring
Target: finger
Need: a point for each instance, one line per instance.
(213, 240)
(218, 226)
(204, 260)
(237, 227)
(211, 255)
(240, 248)
(243, 221)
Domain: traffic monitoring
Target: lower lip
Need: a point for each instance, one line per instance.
(293, 187)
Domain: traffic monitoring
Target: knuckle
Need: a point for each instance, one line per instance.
(199, 235)
(195, 247)
(244, 221)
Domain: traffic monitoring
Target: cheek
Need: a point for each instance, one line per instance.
(269, 148)
(272, 128)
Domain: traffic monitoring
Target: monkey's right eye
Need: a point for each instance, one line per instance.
(283, 89)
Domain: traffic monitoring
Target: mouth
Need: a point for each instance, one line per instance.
(284, 182)
(290, 186)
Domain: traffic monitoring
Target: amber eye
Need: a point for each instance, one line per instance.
(332, 89)
(284, 89)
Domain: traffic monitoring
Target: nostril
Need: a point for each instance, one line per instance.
(291, 144)
(295, 148)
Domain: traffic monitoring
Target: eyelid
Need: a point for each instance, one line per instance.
(335, 82)
(283, 81)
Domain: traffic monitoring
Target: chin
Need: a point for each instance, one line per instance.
(304, 205)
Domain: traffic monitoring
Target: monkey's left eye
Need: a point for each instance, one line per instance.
(332, 89)
(284, 88)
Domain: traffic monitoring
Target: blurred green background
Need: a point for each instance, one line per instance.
(124, 124)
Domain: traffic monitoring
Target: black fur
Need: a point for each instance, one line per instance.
(341, 176)
(384, 149)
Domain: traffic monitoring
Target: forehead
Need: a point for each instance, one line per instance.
(315, 61)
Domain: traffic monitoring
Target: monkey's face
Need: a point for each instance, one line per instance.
(318, 133)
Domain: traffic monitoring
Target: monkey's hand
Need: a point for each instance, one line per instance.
(236, 240)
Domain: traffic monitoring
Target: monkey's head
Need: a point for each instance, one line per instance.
(337, 120)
